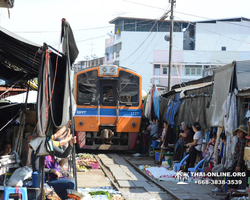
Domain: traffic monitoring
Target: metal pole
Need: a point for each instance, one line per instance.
(71, 115)
(170, 44)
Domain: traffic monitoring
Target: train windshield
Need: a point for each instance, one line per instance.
(108, 95)
(87, 88)
(128, 93)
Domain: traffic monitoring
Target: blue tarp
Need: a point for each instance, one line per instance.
(156, 103)
(174, 110)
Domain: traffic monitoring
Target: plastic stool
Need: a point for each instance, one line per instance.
(15, 190)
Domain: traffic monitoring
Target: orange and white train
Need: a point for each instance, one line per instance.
(108, 114)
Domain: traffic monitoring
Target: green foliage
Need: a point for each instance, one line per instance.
(100, 193)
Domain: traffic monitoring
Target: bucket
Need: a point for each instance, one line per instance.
(157, 156)
(155, 143)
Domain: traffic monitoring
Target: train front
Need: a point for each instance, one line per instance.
(108, 114)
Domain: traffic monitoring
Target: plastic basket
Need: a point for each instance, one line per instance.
(155, 143)
(157, 156)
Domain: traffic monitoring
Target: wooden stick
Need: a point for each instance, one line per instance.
(160, 158)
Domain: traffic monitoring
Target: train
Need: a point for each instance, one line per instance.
(108, 108)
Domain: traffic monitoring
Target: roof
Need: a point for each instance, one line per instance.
(206, 79)
(192, 87)
(17, 57)
(6, 4)
(235, 19)
(115, 20)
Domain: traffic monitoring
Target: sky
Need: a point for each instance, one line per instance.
(40, 21)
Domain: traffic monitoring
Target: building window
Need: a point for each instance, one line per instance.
(193, 70)
(165, 69)
(157, 70)
(174, 70)
(223, 48)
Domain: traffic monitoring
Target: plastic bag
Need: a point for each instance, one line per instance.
(19, 176)
(165, 164)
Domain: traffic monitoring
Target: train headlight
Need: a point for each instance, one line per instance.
(81, 123)
(133, 124)
(108, 70)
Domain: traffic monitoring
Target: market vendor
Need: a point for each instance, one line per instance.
(6, 146)
(61, 136)
(184, 138)
(56, 179)
(238, 156)
(195, 146)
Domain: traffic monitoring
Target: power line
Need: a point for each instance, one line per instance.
(147, 47)
(53, 44)
(143, 41)
(187, 14)
(215, 32)
(144, 5)
(85, 29)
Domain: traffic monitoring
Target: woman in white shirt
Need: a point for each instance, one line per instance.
(195, 146)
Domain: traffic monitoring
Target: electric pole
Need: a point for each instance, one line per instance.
(170, 43)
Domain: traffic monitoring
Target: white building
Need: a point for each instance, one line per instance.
(206, 45)
(136, 39)
(139, 44)
(80, 65)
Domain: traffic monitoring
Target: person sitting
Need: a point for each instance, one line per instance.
(238, 156)
(6, 146)
(61, 137)
(209, 151)
(220, 168)
(195, 146)
(238, 164)
(59, 182)
(184, 139)
(169, 138)
(154, 128)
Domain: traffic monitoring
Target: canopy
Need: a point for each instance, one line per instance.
(17, 58)
(20, 98)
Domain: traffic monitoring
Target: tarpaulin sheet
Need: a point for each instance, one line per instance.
(222, 80)
(243, 74)
(173, 111)
(164, 103)
(192, 107)
(156, 103)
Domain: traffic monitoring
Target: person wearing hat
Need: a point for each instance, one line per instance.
(238, 164)
(238, 157)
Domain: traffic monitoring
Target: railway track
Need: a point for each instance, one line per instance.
(126, 177)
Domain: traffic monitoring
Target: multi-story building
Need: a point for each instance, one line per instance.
(198, 47)
(136, 39)
(206, 46)
(80, 65)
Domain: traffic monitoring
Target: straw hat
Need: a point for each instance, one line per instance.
(243, 128)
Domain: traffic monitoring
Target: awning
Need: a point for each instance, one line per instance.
(6, 3)
(20, 98)
(16, 58)
(192, 87)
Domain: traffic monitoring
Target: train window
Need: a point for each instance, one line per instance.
(87, 93)
(108, 94)
(129, 93)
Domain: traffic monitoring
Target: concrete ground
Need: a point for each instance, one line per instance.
(189, 191)
(92, 178)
